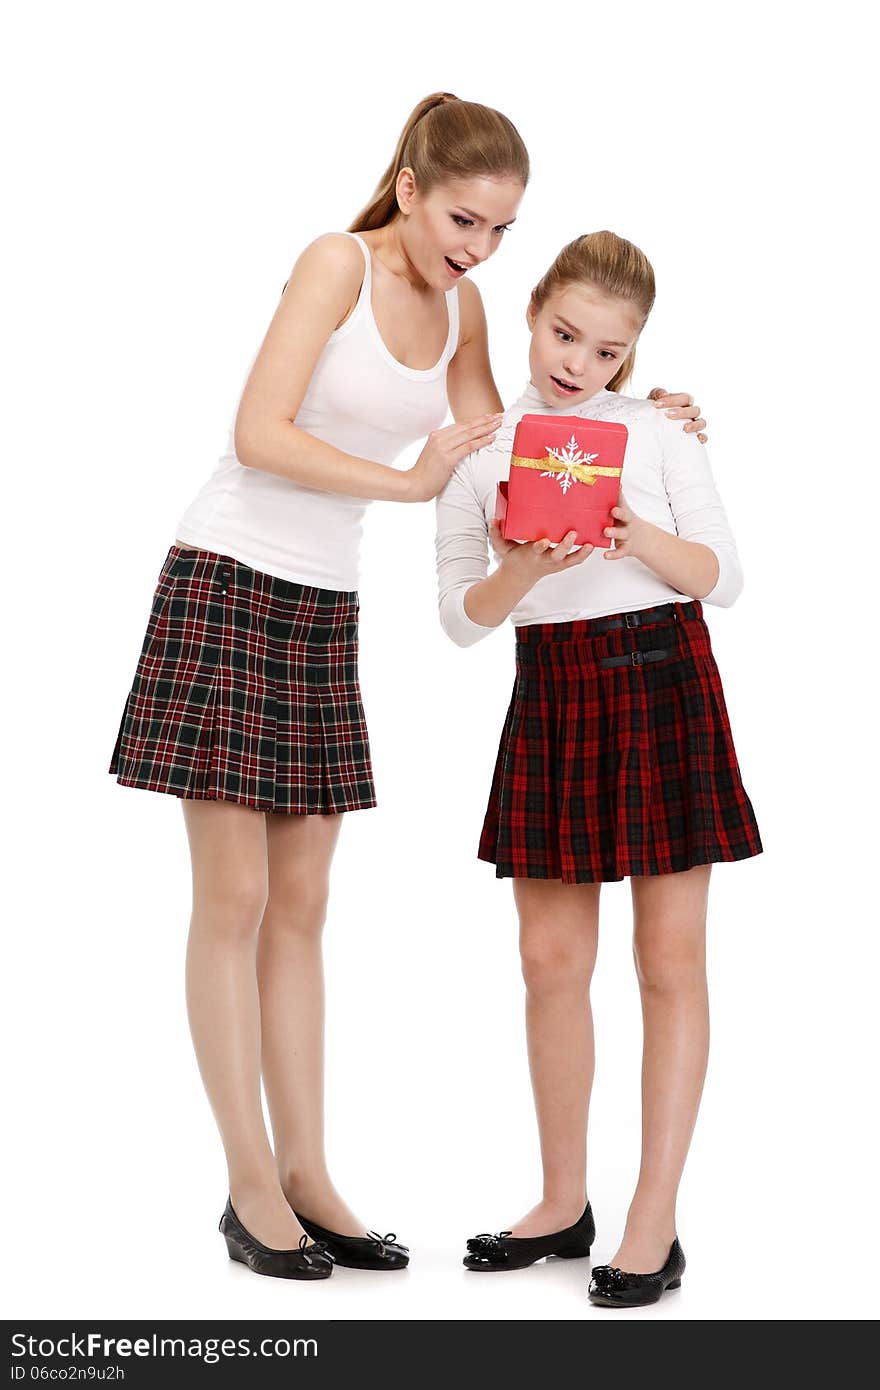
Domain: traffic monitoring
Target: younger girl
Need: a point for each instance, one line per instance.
(616, 758)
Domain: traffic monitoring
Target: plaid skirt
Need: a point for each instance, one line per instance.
(247, 690)
(616, 756)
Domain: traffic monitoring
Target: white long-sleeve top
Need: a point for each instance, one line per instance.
(666, 480)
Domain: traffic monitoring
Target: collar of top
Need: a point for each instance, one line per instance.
(531, 402)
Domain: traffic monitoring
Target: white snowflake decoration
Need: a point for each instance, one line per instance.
(570, 457)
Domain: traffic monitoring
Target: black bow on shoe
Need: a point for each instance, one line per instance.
(490, 1247)
(317, 1247)
(383, 1241)
(608, 1277)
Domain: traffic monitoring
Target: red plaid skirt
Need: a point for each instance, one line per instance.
(247, 690)
(616, 756)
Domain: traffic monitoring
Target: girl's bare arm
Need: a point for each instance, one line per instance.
(469, 381)
(322, 289)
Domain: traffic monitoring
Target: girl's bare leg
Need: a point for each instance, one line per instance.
(230, 889)
(291, 981)
(559, 934)
(669, 946)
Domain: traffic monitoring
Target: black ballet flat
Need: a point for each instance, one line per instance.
(504, 1251)
(308, 1262)
(358, 1252)
(614, 1288)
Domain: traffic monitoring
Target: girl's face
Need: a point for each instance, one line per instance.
(456, 225)
(580, 337)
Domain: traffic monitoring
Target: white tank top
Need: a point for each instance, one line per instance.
(361, 400)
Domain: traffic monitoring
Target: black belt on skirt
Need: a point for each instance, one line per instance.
(643, 616)
(640, 618)
(662, 614)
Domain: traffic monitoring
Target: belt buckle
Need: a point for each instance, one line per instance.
(631, 620)
(636, 658)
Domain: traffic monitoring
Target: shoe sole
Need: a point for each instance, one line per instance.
(510, 1268)
(239, 1259)
(371, 1269)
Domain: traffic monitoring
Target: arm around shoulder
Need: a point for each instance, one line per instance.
(469, 382)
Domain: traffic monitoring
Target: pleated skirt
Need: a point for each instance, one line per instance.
(247, 690)
(616, 756)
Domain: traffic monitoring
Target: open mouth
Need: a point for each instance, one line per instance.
(455, 266)
(565, 386)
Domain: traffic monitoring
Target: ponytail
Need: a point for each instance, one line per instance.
(446, 138)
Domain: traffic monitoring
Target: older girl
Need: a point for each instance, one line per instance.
(616, 758)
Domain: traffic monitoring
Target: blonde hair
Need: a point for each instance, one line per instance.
(614, 267)
(444, 139)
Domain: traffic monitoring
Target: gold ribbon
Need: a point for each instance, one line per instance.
(584, 472)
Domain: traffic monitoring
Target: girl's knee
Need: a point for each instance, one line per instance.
(232, 909)
(297, 905)
(670, 964)
(552, 960)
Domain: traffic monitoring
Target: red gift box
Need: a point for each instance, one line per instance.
(564, 476)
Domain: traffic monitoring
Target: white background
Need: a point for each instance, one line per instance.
(167, 165)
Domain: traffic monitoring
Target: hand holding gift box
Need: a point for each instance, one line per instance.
(564, 476)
